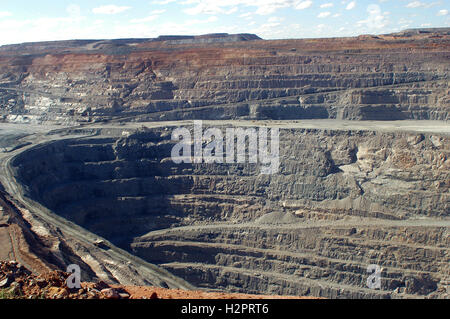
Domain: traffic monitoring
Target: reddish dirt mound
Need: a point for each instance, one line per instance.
(161, 293)
(19, 283)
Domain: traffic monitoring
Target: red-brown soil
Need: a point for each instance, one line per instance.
(17, 282)
(161, 293)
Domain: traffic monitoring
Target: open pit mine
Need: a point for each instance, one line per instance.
(87, 178)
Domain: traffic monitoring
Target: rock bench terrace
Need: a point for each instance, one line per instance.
(86, 130)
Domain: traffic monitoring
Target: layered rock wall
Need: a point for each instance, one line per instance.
(341, 200)
(371, 78)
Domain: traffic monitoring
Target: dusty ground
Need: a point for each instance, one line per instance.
(17, 282)
(161, 293)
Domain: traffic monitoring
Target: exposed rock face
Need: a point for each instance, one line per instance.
(390, 77)
(341, 201)
(18, 242)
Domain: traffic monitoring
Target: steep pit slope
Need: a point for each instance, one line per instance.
(40, 240)
(343, 198)
(19, 242)
(341, 201)
(389, 77)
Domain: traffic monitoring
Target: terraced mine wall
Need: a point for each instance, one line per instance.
(342, 200)
(391, 77)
